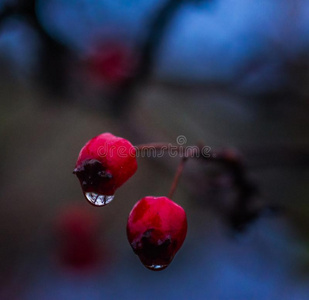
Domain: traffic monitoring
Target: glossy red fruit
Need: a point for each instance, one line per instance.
(156, 229)
(103, 165)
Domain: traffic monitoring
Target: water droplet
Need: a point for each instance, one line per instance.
(156, 267)
(99, 200)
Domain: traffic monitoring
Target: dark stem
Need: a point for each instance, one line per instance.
(272, 158)
(182, 151)
(177, 177)
(157, 27)
(52, 72)
(241, 214)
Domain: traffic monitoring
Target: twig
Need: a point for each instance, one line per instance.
(177, 177)
(123, 97)
(242, 212)
(53, 55)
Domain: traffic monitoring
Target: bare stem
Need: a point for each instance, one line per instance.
(244, 210)
(150, 146)
(193, 151)
(177, 177)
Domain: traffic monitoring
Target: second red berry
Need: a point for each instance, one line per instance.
(156, 229)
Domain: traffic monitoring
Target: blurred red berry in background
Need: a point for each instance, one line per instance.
(77, 238)
(111, 63)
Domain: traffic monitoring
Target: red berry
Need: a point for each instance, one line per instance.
(111, 62)
(156, 229)
(103, 165)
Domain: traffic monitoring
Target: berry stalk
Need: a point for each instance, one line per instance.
(177, 177)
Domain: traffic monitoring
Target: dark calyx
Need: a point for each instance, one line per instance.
(153, 252)
(91, 173)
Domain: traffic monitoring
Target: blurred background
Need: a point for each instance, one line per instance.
(232, 74)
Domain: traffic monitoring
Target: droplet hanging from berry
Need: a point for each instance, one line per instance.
(99, 200)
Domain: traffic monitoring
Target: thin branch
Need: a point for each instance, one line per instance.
(157, 27)
(53, 54)
(192, 151)
(272, 157)
(177, 177)
(242, 212)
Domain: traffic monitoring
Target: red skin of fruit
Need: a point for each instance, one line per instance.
(156, 230)
(105, 163)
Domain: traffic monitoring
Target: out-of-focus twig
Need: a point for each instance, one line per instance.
(53, 55)
(147, 51)
(244, 210)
